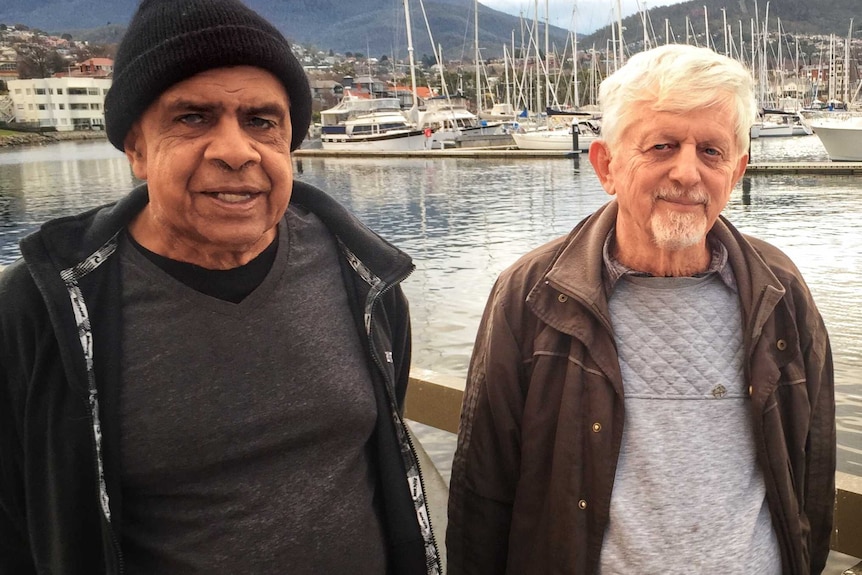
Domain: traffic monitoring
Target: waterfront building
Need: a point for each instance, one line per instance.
(68, 103)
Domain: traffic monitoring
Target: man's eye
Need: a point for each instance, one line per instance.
(661, 146)
(258, 122)
(192, 119)
(711, 152)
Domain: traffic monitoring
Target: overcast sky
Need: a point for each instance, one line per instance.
(591, 14)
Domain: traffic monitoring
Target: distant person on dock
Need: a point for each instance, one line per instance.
(208, 376)
(652, 393)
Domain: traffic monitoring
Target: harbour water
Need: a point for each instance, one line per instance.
(465, 220)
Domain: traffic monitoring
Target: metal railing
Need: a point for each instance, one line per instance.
(435, 400)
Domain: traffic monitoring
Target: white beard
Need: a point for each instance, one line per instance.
(674, 230)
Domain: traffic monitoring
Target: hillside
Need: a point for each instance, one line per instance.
(802, 17)
(373, 27)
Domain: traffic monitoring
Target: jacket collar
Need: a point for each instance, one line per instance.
(578, 267)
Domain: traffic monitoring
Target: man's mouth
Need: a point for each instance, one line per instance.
(232, 197)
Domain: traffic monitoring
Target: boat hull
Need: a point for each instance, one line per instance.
(782, 131)
(843, 141)
(551, 140)
(405, 141)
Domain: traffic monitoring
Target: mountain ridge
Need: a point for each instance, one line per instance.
(372, 27)
(377, 27)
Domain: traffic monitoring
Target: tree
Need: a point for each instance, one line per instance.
(36, 61)
(344, 69)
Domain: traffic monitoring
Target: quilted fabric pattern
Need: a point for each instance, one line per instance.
(678, 337)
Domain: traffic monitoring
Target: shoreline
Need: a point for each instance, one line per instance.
(21, 139)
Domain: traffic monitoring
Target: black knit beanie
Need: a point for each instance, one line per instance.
(170, 40)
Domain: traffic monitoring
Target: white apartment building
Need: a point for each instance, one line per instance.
(68, 103)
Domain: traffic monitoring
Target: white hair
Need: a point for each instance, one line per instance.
(678, 78)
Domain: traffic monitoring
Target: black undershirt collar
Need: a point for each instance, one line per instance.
(231, 285)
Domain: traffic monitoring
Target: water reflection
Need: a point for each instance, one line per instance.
(796, 149)
(465, 220)
(39, 183)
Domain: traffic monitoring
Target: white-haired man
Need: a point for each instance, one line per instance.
(652, 393)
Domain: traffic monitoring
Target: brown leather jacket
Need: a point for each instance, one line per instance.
(541, 423)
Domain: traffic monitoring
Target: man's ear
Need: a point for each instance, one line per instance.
(741, 165)
(600, 158)
(135, 148)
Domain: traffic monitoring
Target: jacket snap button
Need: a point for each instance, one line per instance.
(781, 345)
(750, 390)
(597, 427)
(563, 298)
(582, 504)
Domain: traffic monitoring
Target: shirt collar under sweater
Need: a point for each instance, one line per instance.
(614, 269)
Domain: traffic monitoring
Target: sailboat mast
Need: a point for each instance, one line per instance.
(847, 66)
(534, 37)
(414, 110)
(831, 67)
(575, 65)
(476, 44)
(706, 27)
(647, 45)
(620, 32)
(548, 82)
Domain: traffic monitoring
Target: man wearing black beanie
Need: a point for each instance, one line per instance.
(208, 375)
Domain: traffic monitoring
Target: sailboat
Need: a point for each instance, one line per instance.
(563, 129)
(575, 132)
(368, 124)
(359, 124)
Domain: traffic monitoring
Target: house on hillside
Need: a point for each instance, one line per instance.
(377, 88)
(95, 68)
(326, 92)
(8, 63)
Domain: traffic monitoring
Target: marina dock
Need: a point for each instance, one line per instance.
(506, 152)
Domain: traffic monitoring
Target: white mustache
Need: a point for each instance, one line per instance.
(697, 195)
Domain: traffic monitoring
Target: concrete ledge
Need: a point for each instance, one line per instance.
(847, 526)
(435, 400)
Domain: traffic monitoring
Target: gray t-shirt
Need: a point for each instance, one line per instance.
(246, 427)
(688, 494)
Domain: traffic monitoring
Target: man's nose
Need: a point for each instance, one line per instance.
(231, 145)
(685, 170)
